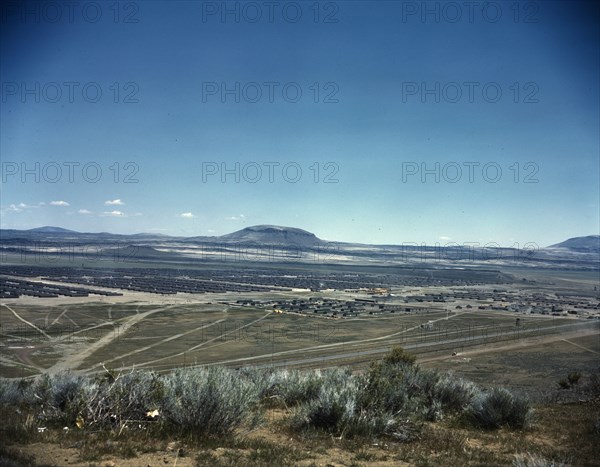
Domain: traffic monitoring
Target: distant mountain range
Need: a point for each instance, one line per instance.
(589, 244)
(272, 243)
(257, 234)
(50, 229)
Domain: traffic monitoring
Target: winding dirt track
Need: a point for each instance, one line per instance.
(162, 341)
(151, 362)
(502, 347)
(581, 346)
(484, 347)
(73, 360)
(25, 321)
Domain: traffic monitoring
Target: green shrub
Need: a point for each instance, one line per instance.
(564, 384)
(16, 392)
(500, 407)
(134, 394)
(294, 386)
(433, 411)
(391, 398)
(120, 398)
(394, 388)
(399, 356)
(59, 397)
(331, 409)
(454, 393)
(335, 410)
(208, 402)
(573, 377)
(592, 385)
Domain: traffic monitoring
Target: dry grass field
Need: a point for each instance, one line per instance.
(181, 332)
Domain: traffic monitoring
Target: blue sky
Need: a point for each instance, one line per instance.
(392, 105)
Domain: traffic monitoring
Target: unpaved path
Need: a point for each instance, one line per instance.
(191, 349)
(76, 359)
(502, 347)
(25, 321)
(335, 344)
(162, 341)
(581, 346)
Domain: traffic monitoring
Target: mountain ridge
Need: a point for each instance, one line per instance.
(273, 234)
(263, 233)
(586, 244)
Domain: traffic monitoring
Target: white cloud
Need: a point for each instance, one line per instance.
(113, 214)
(443, 237)
(187, 215)
(84, 211)
(59, 203)
(236, 218)
(21, 206)
(114, 202)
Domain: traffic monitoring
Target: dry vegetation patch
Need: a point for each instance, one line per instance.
(395, 413)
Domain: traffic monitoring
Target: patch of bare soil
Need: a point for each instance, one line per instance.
(561, 433)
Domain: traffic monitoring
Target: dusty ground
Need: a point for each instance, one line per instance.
(561, 433)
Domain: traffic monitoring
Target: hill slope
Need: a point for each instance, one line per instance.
(589, 244)
(273, 235)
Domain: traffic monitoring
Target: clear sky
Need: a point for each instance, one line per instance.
(365, 121)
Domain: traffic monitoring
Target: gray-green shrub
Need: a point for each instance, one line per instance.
(454, 393)
(335, 410)
(208, 401)
(499, 407)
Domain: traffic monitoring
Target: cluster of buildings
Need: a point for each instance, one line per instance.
(513, 300)
(15, 288)
(328, 307)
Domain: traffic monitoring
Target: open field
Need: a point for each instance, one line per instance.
(529, 366)
(528, 330)
(150, 331)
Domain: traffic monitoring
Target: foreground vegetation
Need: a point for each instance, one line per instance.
(408, 413)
